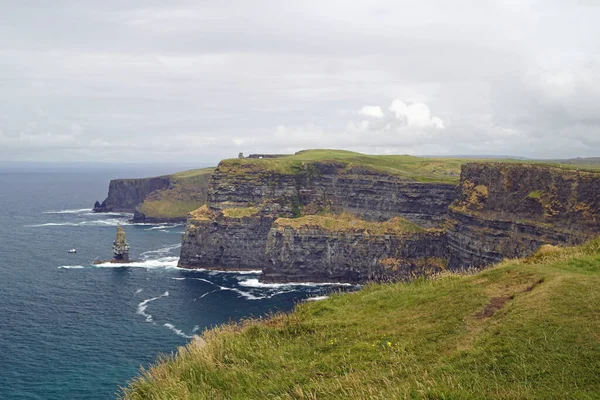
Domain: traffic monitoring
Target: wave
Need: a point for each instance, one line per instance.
(317, 298)
(77, 211)
(141, 308)
(160, 227)
(99, 222)
(256, 284)
(164, 262)
(161, 251)
(251, 296)
(138, 291)
(204, 295)
(71, 267)
(248, 272)
(177, 331)
(96, 222)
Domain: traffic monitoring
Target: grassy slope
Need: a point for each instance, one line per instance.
(188, 193)
(424, 339)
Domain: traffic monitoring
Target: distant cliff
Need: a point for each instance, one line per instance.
(125, 195)
(159, 199)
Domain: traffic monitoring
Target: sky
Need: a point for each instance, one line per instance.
(198, 81)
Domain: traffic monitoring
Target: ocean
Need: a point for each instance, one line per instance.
(73, 330)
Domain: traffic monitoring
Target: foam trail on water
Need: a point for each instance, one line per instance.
(71, 267)
(317, 298)
(204, 295)
(161, 251)
(177, 331)
(141, 308)
(164, 262)
(160, 227)
(247, 272)
(77, 211)
(255, 283)
(138, 291)
(250, 296)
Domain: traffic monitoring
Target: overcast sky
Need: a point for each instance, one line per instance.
(166, 81)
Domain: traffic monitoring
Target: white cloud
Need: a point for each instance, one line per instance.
(371, 111)
(416, 115)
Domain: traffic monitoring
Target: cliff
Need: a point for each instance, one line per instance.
(510, 210)
(235, 239)
(124, 195)
(159, 199)
(371, 188)
(343, 248)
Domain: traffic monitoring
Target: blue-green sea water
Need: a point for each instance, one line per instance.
(73, 330)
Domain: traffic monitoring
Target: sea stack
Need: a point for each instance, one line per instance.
(120, 246)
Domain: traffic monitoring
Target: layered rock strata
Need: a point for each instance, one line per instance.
(213, 240)
(315, 253)
(510, 210)
(334, 186)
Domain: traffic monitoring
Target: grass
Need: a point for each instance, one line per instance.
(409, 167)
(524, 329)
(420, 169)
(188, 192)
(347, 222)
(240, 212)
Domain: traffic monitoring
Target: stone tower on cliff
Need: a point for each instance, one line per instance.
(120, 246)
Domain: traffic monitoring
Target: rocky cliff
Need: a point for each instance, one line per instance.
(236, 228)
(234, 239)
(335, 219)
(375, 195)
(124, 195)
(510, 210)
(166, 198)
(344, 249)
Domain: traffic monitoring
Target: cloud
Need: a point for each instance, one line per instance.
(205, 80)
(371, 111)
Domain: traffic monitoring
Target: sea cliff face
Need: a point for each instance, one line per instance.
(510, 210)
(124, 195)
(218, 236)
(318, 254)
(213, 240)
(334, 186)
(330, 220)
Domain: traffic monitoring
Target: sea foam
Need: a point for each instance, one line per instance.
(141, 308)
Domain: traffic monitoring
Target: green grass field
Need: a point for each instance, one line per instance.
(524, 329)
(420, 169)
(188, 193)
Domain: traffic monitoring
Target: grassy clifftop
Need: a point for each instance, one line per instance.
(414, 168)
(523, 329)
(188, 192)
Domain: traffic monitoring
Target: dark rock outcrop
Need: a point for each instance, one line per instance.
(321, 255)
(124, 195)
(510, 210)
(214, 241)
